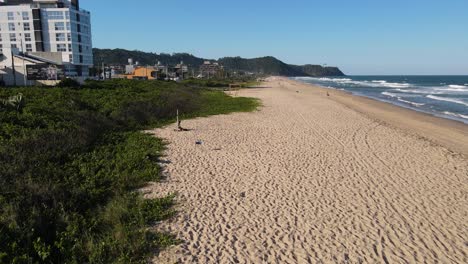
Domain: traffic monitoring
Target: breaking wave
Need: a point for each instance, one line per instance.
(456, 115)
(451, 100)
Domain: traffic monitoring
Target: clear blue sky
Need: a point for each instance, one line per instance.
(359, 36)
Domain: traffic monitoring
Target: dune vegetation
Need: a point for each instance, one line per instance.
(72, 160)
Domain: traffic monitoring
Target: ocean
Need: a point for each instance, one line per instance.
(443, 96)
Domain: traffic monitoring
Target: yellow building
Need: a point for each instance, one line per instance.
(143, 73)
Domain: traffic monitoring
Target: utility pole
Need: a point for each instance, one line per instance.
(13, 66)
(24, 66)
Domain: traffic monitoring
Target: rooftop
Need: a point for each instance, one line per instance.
(58, 3)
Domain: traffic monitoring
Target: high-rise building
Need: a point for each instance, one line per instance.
(54, 30)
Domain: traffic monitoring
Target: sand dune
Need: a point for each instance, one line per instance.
(309, 180)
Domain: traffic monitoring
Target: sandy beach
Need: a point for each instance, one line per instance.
(311, 178)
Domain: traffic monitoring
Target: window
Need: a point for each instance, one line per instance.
(67, 15)
(11, 16)
(14, 46)
(11, 26)
(68, 26)
(29, 47)
(60, 37)
(27, 37)
(70, 48)
(61, 47)
(1, 47)
(25, 16)
(12, 37)
(59, 26)
(55, 15)
(26, 26)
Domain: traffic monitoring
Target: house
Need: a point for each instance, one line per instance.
(143, 73)
(211, 69)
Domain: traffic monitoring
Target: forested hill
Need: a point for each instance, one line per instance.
(121, 56)
(264, 65)
(273, 66)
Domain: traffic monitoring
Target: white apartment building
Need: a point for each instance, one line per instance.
(56, 30)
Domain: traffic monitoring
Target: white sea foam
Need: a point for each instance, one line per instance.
(409, 102)
(451, 100)
(418, 91)
(390, 94)
(458, 86)
(375, 83)
(339, 80)
(396, 85)
(453, 88)
(381, 83)
(456, 115)
(402, 100)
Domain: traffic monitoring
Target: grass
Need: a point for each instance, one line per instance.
(244, 82)
(71, 160)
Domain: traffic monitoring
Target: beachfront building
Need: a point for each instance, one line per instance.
(180, 71)
(211, 69)
(56, 32)
(143, 73)
(156, 72)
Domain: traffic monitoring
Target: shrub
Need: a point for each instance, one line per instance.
(68, 82)
(71, 160)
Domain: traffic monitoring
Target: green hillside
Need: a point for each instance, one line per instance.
(265, 65)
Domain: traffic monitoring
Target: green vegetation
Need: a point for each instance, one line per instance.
(71, 160)
(273, 66)
(264, 65)
(244, 82)
(121, 56)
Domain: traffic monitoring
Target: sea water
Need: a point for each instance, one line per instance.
(443, 96)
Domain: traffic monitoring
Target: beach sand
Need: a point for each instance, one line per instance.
(311, 178)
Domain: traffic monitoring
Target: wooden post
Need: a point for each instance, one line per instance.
(177, 116)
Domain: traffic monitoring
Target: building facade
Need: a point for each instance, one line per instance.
(211, 69)
(47, 28)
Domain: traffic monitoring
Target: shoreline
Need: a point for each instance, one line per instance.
(451, 116)
(308, 179)
(449, 133)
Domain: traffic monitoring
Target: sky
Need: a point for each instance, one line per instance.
(362, 37)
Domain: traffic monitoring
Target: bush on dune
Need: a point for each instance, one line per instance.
(70, 162)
